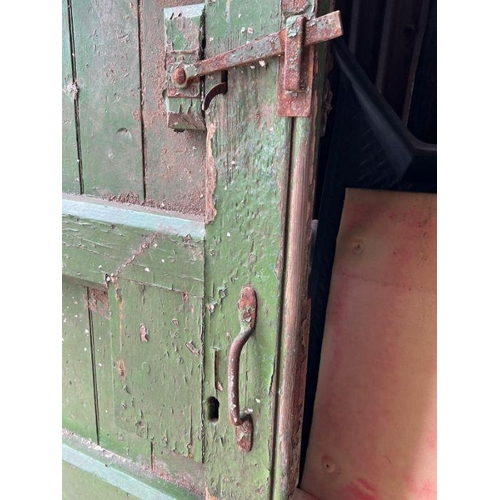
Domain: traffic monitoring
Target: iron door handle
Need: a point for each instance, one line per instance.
(247, 306)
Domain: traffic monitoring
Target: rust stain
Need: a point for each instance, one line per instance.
(294, 6)
(244, 435)
(98, 302)
(247, 305)
(143, 333)
(211, 177)
(208, 496)
(144, 246)
(126, 197)
(121, 368)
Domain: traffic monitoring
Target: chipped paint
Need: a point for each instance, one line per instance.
(211, 176)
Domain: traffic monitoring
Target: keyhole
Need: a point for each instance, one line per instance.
(213, 409)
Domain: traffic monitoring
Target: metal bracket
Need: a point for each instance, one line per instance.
(292, 44)
(183, 45)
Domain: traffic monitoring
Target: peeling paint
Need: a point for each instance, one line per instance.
(211, 177)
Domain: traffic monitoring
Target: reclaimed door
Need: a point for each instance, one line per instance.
(162, 229)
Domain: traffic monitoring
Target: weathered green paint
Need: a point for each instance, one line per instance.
(80, 485)
(105, 238)
(109, 101)
(247, 154)
(156, 353)
(103, 474)
(70, 173)
(150, 453)
(171, 280)
(78, 411)
(174, 162)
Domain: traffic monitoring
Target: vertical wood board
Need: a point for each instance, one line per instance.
(109, 100)
(247, 168)
(78, 409)
(70, 171)
(174, 162)
(156, 358)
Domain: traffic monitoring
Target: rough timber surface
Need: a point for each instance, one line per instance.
(174, 161)
(107, 63)
(247, 166)
(70, 172)
(156, 352)
(148, 246)
(78, 410)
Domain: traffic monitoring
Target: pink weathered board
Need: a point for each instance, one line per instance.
(373, 435)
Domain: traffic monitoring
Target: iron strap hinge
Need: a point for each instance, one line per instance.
(183, 75)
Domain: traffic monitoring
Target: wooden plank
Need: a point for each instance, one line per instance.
(174, 162)
(374, 426)
(78, 409)
(296, 306)
(155, 351)
(107, 61)
(247, 176)
(142, 244)
(80, 485)
(70, 172)
(98, 473)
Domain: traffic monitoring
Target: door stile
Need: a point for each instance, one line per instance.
(248, 157)
(296, 310)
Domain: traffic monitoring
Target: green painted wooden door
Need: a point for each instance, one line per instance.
(161, 230)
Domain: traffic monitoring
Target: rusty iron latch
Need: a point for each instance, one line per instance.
(185, 68)
(247, 307)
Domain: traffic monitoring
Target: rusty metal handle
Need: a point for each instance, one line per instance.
(247, 306)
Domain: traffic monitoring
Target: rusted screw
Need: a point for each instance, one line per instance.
(179, 77)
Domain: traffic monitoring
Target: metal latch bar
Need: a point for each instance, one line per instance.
(316, 30)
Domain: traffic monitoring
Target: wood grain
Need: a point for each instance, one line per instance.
(156, 356)
(145, 245)
(248, 149)
(78, 410)
(174, 162)
(107, 63)
(70, 170)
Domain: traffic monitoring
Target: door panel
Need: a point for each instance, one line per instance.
(174, 162)
(248, 149)
(78, 410)
(109, 102)
(157, 355)
(70, 173)
(150, 331)
(165, 285)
